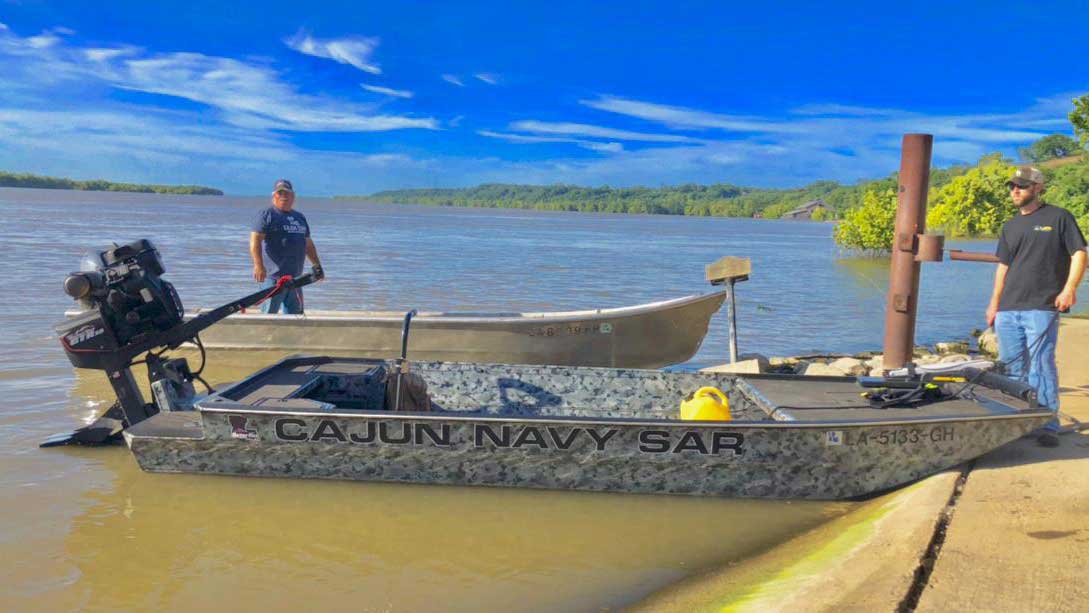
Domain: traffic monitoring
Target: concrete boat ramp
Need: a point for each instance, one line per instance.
(1007, 532)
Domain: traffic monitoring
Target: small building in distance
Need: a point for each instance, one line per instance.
(805, 212)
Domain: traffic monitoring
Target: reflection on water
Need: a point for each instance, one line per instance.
(188, 541)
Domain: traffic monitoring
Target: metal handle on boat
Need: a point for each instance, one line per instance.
(402, 362)
(1017, 389)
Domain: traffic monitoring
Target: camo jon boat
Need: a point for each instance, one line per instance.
(575, 428)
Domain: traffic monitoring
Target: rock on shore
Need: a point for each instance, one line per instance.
(859, 364)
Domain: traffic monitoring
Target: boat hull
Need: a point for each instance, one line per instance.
(644, 336)
(773, 460)
(575, 428)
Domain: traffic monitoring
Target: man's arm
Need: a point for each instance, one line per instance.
(256, 238)
(312, 255)
(999, 283)
(1069, 296)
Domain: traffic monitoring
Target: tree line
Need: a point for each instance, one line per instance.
(8, 179)
(717, 200)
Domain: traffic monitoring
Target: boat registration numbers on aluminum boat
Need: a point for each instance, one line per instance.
(892, 436)
(571, 330)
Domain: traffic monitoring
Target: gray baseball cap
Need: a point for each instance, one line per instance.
(1025, 176)
(283, 185)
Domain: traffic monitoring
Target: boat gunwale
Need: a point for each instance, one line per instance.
(236, 407)
(216, 403)
(442, 317)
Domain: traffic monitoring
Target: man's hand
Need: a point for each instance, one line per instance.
(259, 273)
(1066, 299)
(992, 312)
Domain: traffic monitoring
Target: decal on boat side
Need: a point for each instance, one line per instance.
(239, 429)
(505, 436)
(297, 430)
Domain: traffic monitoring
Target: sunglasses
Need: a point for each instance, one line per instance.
(1014, 186)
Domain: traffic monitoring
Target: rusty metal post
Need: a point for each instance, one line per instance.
(903, 298)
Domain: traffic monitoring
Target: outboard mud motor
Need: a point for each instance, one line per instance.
(130, 310)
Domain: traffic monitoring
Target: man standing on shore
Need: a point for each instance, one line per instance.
(285, 235)
(1041, 253)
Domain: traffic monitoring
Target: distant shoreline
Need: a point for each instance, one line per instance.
(26, 180)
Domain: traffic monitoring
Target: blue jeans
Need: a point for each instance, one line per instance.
(1026, 344)
(291, 300)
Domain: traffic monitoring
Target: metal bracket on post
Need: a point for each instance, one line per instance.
(729, 270)
(929, 247)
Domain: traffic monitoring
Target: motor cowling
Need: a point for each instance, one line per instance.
(126, 299)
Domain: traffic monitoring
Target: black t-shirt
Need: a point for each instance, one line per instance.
(1037, 247)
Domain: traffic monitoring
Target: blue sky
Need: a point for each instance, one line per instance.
(356, 97)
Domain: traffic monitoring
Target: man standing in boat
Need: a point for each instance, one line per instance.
(1041, 253)
(285, 236)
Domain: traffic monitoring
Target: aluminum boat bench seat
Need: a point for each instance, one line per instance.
(293, 381)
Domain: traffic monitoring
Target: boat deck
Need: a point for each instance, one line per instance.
(836, 398)
(174, 425)
(756, 399)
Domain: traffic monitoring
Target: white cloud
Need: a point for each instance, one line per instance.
(43, 41)
(245, 94)
(838, 124)
(105, 55)
(579, 129)
(677, 117)
(522, 138)
(396, 93)
(604, 147)
(449, 78)
(487, 77)
(351, 50)
(135, 133)
(842, 109)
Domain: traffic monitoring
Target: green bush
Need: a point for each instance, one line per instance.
(870, 226)
(1068, 187)
(976, 203)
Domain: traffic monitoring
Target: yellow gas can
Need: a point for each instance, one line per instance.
(707, 404)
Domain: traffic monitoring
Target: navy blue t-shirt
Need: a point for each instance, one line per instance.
(285, 239)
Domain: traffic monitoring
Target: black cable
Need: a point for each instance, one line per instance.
(205, 383)
(1032, 350)
(203, 357)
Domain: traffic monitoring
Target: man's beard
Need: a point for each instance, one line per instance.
(1026, 202)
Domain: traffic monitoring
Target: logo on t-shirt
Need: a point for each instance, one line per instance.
(294, 226)
(1043, 228)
